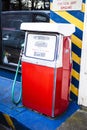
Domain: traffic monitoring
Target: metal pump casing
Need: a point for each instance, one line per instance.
(46, 67)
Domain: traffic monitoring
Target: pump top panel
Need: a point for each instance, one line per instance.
(65, 29)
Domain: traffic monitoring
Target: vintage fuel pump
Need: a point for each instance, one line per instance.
(46, 67)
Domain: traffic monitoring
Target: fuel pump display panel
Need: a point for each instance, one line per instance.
(41, 46)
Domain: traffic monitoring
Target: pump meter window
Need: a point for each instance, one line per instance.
(41, 46)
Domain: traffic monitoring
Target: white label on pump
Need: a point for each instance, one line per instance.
(41, 46)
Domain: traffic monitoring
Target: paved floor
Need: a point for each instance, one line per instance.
(78, 121)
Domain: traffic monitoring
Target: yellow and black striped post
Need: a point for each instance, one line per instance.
(75, 17)
(7, 121)
(10, 123)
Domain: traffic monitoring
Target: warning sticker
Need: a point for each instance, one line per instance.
(67, 5)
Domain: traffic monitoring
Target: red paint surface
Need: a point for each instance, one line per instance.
(38, 85)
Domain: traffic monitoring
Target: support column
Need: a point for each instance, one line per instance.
(82, 98)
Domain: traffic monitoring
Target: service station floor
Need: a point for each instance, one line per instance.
(25, 119)
(78, 121)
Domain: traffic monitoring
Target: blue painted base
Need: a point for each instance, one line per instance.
(26, 117)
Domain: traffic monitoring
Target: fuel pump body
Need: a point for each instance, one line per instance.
(46, 67)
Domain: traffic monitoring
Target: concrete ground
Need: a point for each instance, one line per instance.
(78, 121)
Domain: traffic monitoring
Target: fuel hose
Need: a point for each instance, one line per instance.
(17, 101)
(13, 86)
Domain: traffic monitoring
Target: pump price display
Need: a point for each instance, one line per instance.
(41, 46)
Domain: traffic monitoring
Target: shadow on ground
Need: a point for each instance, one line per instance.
(78, 121)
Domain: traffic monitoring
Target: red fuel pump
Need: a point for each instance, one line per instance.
(46, 67)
